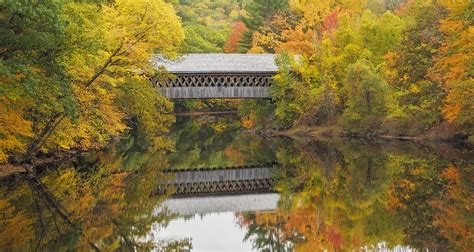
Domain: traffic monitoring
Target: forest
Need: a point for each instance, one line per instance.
(86, 138)
(75, 74)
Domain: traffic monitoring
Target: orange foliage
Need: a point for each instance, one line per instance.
(269, 37)
(238, 29)
(306, 222)
(298, 40)
(455, 209)
(234, 155)
(454, 63)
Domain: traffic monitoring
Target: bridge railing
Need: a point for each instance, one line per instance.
(216, 85)
(218, 80)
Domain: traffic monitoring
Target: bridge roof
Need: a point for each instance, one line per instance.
(220, 204)
(219, 63)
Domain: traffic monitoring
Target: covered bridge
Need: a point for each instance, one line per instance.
(218, 75)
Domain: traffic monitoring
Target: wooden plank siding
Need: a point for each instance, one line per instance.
(223, 175)
(215, 92)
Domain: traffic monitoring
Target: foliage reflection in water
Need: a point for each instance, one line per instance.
(327, 194)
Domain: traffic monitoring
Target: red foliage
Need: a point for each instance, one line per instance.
(334, 237)
(330, 21)
(238, 29)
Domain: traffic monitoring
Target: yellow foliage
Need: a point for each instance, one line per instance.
(313, 10)
(298, 41)
(264, 39)
(110, 44)
(13, 131)
(16, 229)
(249, 122)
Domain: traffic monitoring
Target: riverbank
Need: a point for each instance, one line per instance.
(439, 133)
(40, 163)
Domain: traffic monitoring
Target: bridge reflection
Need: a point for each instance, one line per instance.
(222, 203)
(220, 189)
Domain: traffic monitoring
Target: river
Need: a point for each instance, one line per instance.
(219, 187)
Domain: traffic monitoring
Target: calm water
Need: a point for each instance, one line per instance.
(224, 189)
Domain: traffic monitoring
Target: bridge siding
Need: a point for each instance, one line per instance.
(215, 92)
(223, 175)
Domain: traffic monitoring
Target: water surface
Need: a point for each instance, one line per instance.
(226, 189)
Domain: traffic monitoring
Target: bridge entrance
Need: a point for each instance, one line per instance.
(206, 76)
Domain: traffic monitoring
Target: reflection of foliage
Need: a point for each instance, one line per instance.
(107, 206)
(418, 183)
(435, 204)
(357, 194)
(215, 141)
(455, 215)
(16, 227)
(266, 236)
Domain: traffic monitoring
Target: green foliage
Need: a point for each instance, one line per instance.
(375, 34)
(62, 64)
(148, 111)
(33, 85)
(366, 103)
(415, 50)
(419, 97)
(288, 93)
(258, 113)
(316, 91)
(207, 24)
(257, 13)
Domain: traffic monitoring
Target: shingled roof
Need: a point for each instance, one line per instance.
(219, 63)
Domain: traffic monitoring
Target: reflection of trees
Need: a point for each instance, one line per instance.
(455, 209)
(331, 197)
(266, 232)
(356, 194)
(107, 206)
(434, 201)
(211, 141)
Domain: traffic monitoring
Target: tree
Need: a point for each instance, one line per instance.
(366, 99)
(454, 64)
(33, 84)
(419, 97)
(207, 24)
(231, 45)
(287, 92)
(63, 81)
(258, 13)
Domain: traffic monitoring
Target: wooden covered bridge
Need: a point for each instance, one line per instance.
(218, 75)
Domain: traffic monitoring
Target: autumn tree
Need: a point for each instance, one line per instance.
(62, 82)
(419, 97)
(258, 13)
(207, 24)
(33, 84)
(288, 93)
(238, 29)
(454, 64)
(366, 103)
